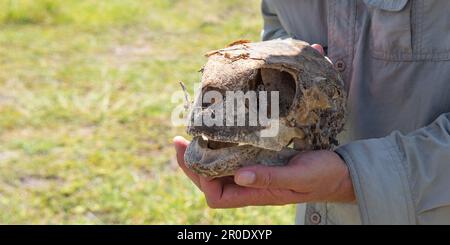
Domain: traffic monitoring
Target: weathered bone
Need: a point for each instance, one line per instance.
(312, 106)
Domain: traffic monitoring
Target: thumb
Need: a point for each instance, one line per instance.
(260, 176)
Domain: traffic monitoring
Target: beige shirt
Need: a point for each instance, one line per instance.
(394, 56)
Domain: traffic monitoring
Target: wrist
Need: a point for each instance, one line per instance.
(344, 190)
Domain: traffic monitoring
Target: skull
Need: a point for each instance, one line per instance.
(311, 106)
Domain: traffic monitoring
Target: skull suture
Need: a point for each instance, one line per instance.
(311, 106)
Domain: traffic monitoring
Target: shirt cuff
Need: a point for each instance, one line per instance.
(380, 181)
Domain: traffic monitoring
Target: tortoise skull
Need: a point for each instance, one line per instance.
(310, 106)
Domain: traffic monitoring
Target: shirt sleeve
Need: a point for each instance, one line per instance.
(272, 28)
(403, 179)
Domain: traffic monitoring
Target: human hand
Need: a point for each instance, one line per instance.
(315, 176)
(321, 50)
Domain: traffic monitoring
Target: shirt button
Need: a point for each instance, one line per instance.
(340, 65)
(315, 218)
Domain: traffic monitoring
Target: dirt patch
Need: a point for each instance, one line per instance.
(39, 182)
(8, 155)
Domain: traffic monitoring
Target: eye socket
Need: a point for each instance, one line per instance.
(276, 80)
(264, 79)
(268, 79)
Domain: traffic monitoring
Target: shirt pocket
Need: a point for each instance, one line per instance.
(412, 30)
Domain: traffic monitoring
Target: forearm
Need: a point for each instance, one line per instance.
(400, 178)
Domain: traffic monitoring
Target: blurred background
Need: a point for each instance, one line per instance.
(85, 106)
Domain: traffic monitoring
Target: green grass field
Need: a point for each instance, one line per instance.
(85, 88)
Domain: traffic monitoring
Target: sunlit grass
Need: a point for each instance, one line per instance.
(85, 88)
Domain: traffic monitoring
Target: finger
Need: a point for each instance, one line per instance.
(235, 196)
(259, 176)
(225, 179)
(212, 189)
(319, 48)
(181, 144)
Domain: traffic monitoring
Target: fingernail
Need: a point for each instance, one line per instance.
(176, 139)
(245, 178)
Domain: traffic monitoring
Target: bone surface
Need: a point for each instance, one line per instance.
(311, 106)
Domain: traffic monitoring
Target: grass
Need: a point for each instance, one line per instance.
(85, 88)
